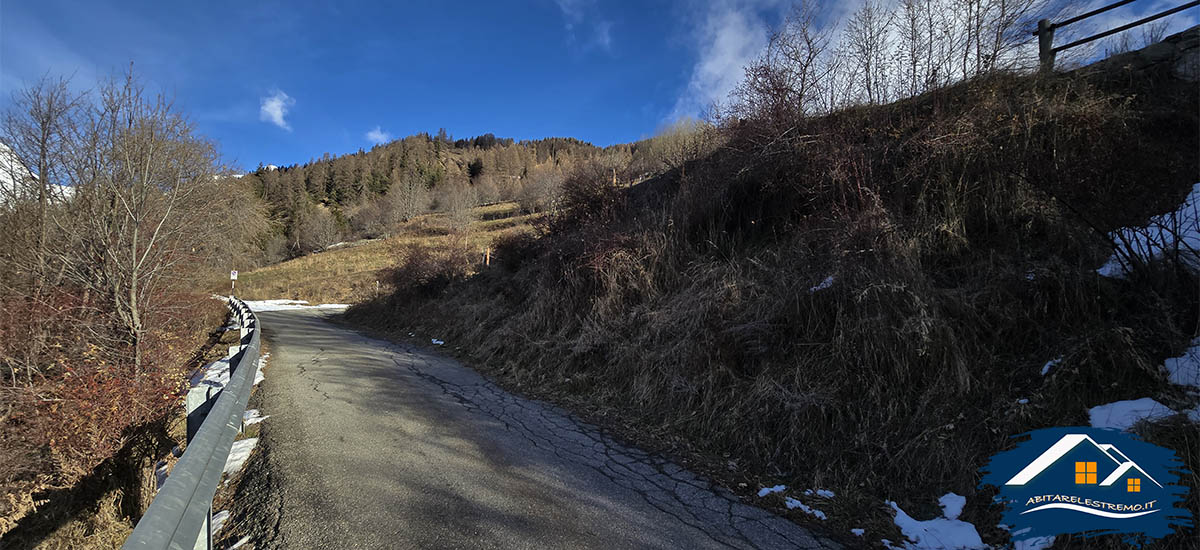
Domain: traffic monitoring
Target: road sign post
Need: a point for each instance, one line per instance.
(232, 281)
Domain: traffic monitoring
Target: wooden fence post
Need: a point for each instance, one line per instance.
(1046, 45)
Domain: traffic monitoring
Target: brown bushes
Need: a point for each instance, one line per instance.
(82, 409)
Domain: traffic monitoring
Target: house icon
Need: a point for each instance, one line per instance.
(1095, 464)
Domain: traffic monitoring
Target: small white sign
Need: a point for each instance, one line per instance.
(233, 275)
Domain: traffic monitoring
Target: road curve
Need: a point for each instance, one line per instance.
(376, 445)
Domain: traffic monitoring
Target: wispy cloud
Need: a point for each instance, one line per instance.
(578, 19)
(274, 108)
(731, 35)
(573, 11)
(377, 135)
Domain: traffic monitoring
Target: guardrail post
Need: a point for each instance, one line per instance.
(198, 405)
(204, 539)
(1046, 45)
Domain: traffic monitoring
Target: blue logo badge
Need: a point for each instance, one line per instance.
(1089, 481)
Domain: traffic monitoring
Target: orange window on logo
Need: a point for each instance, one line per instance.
(1085, 473)
(1133, 485)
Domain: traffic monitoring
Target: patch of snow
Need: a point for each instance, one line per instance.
(216, 374)
(1122, 415)
(828, 282)
(823, 493)
(259, 306)
(1022, 401)
(939, 533)
(1193, 414)
(1030, 275)
(768, 490)
(1185, 369)
(218, 521)
(952, 505)
(1050, 364)
(262, 364)
(858, 532)
(1178, 230)
(792, 504)
(252, 416)
(437, 342)
(335, 245)
(241, 542)
(238, 454)
(160, 473)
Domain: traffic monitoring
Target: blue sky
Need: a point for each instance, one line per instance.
(283, 82)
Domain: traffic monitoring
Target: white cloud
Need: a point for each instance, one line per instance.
(604, 35)
(594, 35)
(274, 107)
(377, 135)
(732, 34)
(572, 11)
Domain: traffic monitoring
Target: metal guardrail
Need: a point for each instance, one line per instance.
(1045, 30)
(180, 516)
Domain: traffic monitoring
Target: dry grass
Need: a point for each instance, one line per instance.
(359, 271)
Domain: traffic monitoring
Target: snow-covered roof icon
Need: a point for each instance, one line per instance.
(1068, 443)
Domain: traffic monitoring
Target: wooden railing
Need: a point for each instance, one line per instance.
(1046, 28)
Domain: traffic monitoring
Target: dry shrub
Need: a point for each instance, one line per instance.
(423, 271)
(90, 402)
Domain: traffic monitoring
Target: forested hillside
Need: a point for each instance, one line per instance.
(364, 194)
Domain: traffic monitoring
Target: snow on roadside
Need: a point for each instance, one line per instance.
(241, 542)
(1122, 415)
(238, 454)
(952, 505)
(259, 306)
(858, 532)
(1185, 369)
(823, 493)
(941, 533)
(828, 282)
(218, 521)
(253, 416)
(768, 490)
(792, 504)
(216, 374)
(1050, 364)
(262, 364)
(1161, 235)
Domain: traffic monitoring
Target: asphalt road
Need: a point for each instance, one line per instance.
(375, 445)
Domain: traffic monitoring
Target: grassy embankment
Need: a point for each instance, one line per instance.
(357, 271)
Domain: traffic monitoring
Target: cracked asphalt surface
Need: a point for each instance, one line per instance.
(371, 444)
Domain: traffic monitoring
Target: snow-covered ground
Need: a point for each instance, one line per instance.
(1122, 415)
(792, 504)
(259, 306)
(1163, 234)
(828, 282)
(238, 454)
(252, 417)
(1185, 369)
(944, 533)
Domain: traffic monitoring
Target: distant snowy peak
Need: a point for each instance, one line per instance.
(18, 182)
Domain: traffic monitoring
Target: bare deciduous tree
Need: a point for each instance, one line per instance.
(143, 186)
